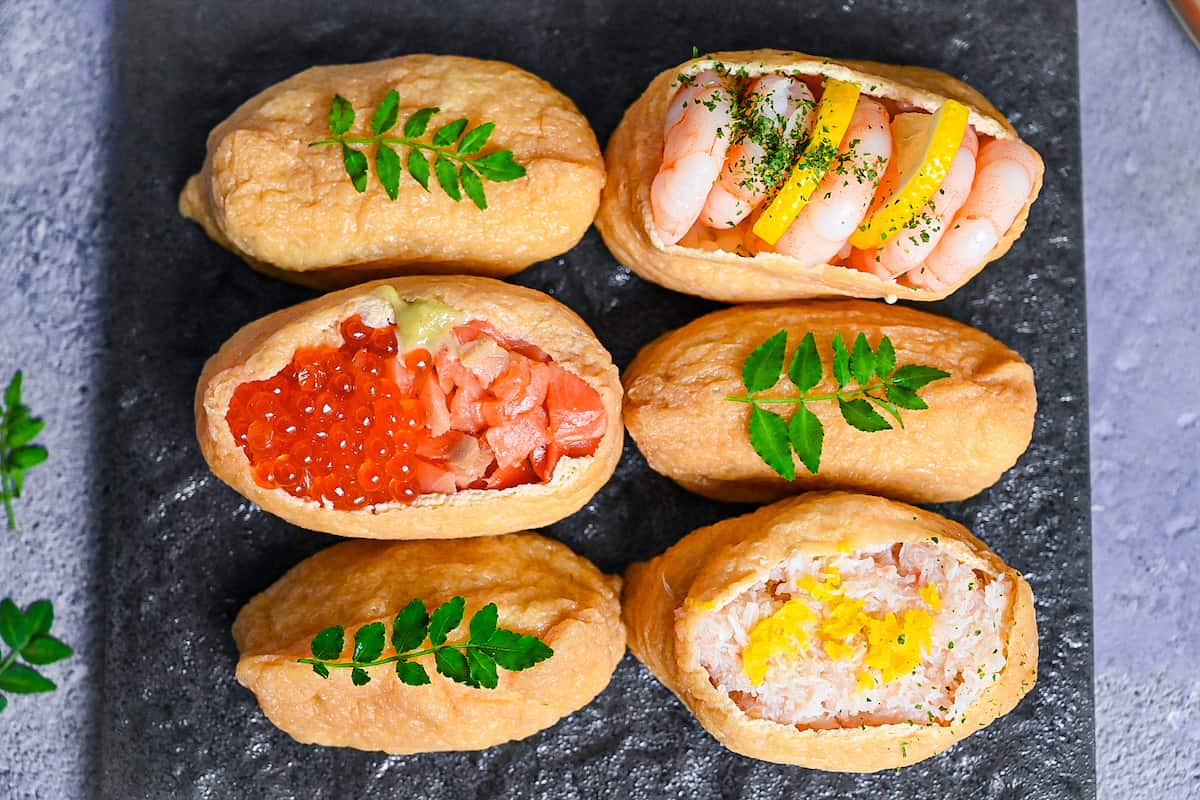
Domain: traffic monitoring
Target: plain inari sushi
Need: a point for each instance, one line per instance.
(409, 408)
(413, 647)
(835, 631)
(890, 401)
(411, 165)
(775, 175)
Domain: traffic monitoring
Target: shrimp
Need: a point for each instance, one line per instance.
(697, 130)
(841, 201)
(921, 235)
(777, 115)
(1005, 175)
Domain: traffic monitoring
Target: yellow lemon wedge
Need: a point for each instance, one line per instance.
(942, 138)
(833, 119)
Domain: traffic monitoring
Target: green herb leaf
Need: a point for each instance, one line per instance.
(20, 679)
(447, 177)
(862, 361)
(410, 628)
(483, 623)
(915, 376)
(39, 616)
(23, 431)
(889, 408)
(769, 438)
(356, 167)
(45, 649)
(453, 664)
(476, 138)
(359, 677)
(321, 670)
(329, 643)
(418, 167)
(448, 134)
(341, 116)
(859, 414)
(385, 116)
(499, 166)
(415, 127)
(3, 703)
(807, 436)
(15, 629)
(368, 642)
(482, 667)
(446, 618)
(411, 673)
(387, 166)
(841, 361)
(515, 652)
(764, 366)
(885, 358)
(473, 186)
(806, 369)
(905, 398)
(27, 457)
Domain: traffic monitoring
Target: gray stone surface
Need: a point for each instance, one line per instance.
(1139, 105)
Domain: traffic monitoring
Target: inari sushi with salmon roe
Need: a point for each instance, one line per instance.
(414, 408)
(835, 631)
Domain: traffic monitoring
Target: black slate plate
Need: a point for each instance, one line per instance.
(184, 552)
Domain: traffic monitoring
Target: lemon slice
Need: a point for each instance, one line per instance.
(942, 138)
(833, 119)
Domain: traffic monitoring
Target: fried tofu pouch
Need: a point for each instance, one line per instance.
(291, 211)
(670, 602)
(263, 348)
(634, 154)
(541, 588)
(978, 422)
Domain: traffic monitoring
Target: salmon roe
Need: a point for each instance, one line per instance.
(351, 425)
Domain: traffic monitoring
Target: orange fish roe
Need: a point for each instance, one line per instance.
(362, 424)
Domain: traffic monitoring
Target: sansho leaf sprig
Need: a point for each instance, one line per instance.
(473, 662)
(27, 635)
(864, 376)
(18, 453)
(457, 163)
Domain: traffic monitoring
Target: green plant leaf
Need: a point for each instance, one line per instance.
(446, 618)
(763, 367)
(885, 358)
(329, 643)
(22, 432)
(411, 626)
(447, 177)
(27, 457)
(453, 665)
(915, 376)
(499, 166)
(473, 186)
(862, 361)
(387, 167)
(359, 677)
(20, 679)
(45, 649)
(841, 361)
(483, 624)
(516, 652)
(859, 414)
(368, 642)
(385, 116)
(905, 398)
(806, 369)
(411, 673)
(476, 138)
(418, 167)
(3, 703)
(341, 116)
(15, 629)
(356, 167)
(321, 670)
(17, 476)
(769, 438)
(40, 616)
(448, 134)
(482, 667)
(807, 436)
(890, 408)
(418, 122)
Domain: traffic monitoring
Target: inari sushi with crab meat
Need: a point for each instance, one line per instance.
(414, 408)
(835, 631)
(411, 165)
(772, 175)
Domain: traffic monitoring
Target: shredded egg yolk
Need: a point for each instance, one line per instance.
(889, 645)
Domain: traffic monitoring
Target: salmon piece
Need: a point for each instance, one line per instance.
(485, 359)
(433, 401)
(470, 459)
(577, 419)
(398, 372)
(507, 477)
(431, 478)
(470, 331)
(521, 388)
(544, 459)
(466, 410)
(513, 440)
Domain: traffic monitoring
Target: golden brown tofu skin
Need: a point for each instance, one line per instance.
(291, 211)
(979, 420)
(264, 347)
(541, 588)
(634, 154)
(666, 599)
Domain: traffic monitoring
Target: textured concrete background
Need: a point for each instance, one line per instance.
(1142, 162)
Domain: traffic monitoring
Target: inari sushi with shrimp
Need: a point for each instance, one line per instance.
(835, 631)
(772, 175)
